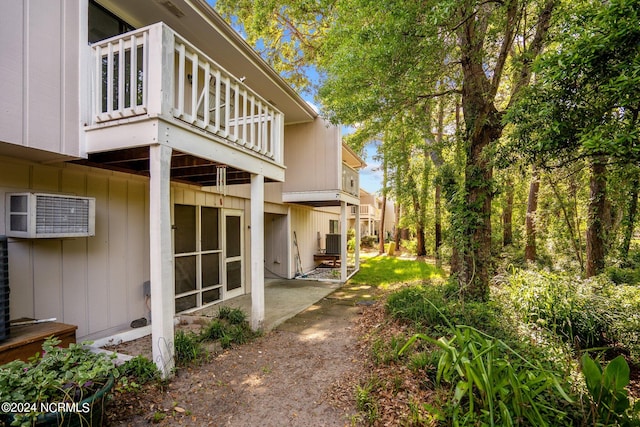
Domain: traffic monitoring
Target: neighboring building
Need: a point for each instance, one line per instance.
(197, 154)
(370, 210)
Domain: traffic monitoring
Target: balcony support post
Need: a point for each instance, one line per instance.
(161, 259)
(343, 241)
(358, 237)
(257, 251)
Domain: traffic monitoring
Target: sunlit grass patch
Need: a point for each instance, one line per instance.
(383, 271)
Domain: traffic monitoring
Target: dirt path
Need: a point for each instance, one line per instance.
(285, 378)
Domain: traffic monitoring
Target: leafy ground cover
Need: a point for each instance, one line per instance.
(548, 349)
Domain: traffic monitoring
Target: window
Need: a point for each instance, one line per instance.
(198, 256)
(334, 226)
(104, 24)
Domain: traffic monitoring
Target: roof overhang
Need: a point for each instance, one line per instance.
(351, 158)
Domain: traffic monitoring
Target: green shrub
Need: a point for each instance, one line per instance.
(214, 330)
(410, 246)
(240, 334)
(492, 384)
(188, 348)
(141, 369)
(365, 401)
(574, 309)
(621, 275)
(235, 316)
(609, 399)
(369, 242)
(231, 327)
(433, 307)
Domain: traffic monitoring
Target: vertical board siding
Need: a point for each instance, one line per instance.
(47, 276)
(12, 72)
(21, 302)
(98, 257)
(74, 290)
(307, 223)
(44, 75)
(40, 74)
(137, 256)
(94, 283)
(275, 245)
(118, 262)
(312, 157)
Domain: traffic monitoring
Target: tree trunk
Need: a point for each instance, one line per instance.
(630, 218)
(483, 126)
(382, 215)
(597, 206)
(397, 226)
(381, 236)
(530, 222)
(436, 158)
(507, 215)
(421, 249)
(476, 260)
(438, 225)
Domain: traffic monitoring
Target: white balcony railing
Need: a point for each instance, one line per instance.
(366, 212)
(154, 71)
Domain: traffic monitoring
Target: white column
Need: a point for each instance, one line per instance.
(161, 259)
(290, 250)
(343, 241)
(257, 252)
(358, 237)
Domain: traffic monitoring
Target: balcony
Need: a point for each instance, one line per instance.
(154, 73)
(350, 180)
(366, 212)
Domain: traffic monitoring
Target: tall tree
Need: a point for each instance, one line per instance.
(391, 57)
(585, 103)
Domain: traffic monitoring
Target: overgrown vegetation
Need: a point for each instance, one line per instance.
(229, 328)
(542, 351)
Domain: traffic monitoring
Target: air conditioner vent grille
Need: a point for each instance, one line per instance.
(62, 215)
(45, 215)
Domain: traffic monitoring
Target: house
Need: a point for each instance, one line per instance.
(185, 145)
(370, 215)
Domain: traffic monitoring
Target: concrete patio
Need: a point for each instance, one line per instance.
(283, 300)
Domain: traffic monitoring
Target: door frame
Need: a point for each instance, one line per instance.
(226, 260)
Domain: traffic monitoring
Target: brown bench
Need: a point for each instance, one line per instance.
(327, 257)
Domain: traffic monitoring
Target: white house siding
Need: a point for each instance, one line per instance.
(40, 70)
(307, 223)
(313, 157)
(95, 283)
(276, 245)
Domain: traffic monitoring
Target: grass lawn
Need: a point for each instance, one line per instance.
(384, 271)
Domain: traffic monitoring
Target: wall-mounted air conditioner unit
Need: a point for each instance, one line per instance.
(40, 215)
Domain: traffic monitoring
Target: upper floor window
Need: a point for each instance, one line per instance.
(104, 24)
